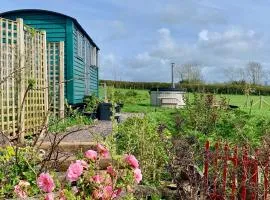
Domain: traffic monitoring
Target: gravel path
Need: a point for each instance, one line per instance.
(87, 133)
(99, 128)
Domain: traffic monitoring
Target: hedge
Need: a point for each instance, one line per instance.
(207, 88)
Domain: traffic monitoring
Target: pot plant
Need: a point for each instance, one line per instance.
(91, 102)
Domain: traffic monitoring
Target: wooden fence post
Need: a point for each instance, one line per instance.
(21, 85)
(206, 166)
(61, 81)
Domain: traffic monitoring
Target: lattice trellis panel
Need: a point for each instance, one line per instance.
(23, 76)
(56, 78)
(35, 79)
(8, 67)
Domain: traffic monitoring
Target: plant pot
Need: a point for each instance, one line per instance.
(104, 111)
(117, 108)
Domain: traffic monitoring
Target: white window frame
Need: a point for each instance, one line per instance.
(79, 44)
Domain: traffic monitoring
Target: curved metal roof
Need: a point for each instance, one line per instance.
(54, 13)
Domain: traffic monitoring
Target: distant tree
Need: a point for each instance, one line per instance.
(235, 74)
(231, 73)
(190, 73)
(254, 72)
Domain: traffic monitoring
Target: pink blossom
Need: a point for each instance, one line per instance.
(111, 171)
(132, 161)
(103, 151)
(116, 193)
(138, 175)
(107, 192)
(83, 163)
(74, 171)
(49, 196)
(45, 182)
(90, 154)
(20, 192)
(97, 179)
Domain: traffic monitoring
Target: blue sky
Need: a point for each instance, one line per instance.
(139, 39)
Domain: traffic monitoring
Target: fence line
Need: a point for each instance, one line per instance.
(23, 55)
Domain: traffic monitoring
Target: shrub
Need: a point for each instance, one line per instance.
(208, 119)
(18, 165)
(84, 179)
(144, 139)
(91, 102)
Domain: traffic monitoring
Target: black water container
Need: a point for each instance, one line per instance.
(104, 111)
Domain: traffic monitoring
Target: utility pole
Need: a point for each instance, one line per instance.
(173, 85)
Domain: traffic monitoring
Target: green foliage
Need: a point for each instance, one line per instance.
(208, 119)
(228, 88)
(17, 164)
(144, 139)
(75, 119)
(91, 102)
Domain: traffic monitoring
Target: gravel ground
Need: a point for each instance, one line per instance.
(87, 133)
(99, 128)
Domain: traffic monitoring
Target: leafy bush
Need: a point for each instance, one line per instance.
(208, 119)
(91, 102)
(18, 164)
(75, 119)
(148, 142)
(84, 180)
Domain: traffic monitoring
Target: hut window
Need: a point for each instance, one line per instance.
(80, 44)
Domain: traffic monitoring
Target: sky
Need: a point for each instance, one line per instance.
(140, 38)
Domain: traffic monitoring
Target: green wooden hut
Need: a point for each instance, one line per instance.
(80, 52)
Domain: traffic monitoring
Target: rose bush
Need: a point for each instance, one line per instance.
(85, 180)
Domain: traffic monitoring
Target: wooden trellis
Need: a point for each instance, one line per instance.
(23, 75)
(56, 77)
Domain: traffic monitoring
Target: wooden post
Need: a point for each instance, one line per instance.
(61, 81)
(21, 61)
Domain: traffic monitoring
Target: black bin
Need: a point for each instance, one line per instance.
(104, 111)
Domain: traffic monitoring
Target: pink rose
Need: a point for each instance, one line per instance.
(103, 151)
(74, 171)
(117, 193)
(49, 196)
(90, 154)
(107, 192)
(45, 182)
(132, 161)
(23, 183)
(138, 175)
(20, 192)
(111, 171)
(83, 163)
(97, 179)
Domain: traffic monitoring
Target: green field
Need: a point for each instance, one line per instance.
(141, 102)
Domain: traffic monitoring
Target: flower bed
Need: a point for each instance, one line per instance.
(84, 179)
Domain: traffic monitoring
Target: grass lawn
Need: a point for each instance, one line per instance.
(141, 103)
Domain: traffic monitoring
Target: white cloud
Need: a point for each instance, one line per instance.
(213, 50)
